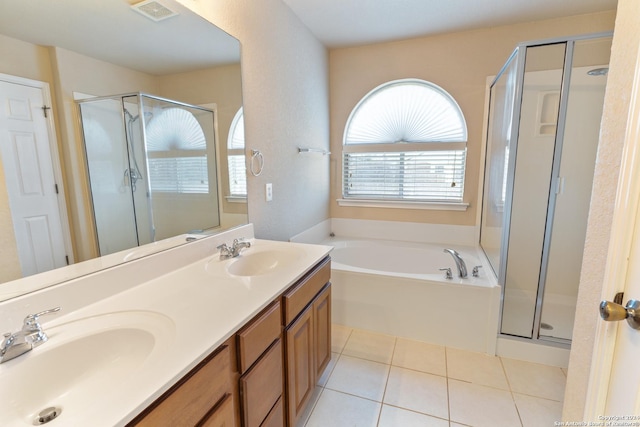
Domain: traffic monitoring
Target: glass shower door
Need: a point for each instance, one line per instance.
(501, 103)
(572, 185)
(107, 162)
(534, 154)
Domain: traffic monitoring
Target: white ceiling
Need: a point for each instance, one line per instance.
(110, 30)
(338, 23)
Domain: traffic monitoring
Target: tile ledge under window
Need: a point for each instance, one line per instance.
(236, 199)
(371, 203)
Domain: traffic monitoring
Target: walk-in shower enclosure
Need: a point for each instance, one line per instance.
(151, 165)
(543, 127)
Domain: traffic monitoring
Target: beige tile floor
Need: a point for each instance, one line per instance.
(384, 381)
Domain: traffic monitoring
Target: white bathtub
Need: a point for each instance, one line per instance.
(396, 288)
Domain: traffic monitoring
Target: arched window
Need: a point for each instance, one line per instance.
(235, 156)
(405, 141)
(177, 153)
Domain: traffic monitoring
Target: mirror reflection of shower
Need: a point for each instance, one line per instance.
(133, 174)
(150, 178)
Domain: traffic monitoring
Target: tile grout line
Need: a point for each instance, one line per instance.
(386, 383)
(513, 399)
(446, 374)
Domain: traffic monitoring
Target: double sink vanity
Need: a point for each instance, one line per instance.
(180, 337)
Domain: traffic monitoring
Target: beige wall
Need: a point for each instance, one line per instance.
(25, 60)
(9, 261)
(624, 52)
(459, 63)
(285, 96)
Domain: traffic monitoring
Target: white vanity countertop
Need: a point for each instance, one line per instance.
(198, 307)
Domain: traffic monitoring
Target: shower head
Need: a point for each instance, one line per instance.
(598, 71)
(148, 115)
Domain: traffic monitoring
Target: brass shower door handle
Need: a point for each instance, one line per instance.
(610, 312)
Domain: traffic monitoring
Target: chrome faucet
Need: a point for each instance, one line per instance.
(462, 267)
(227, 252)
(31, 335)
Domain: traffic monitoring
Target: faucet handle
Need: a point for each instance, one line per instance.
(32, 329)
(447, 274)
(475, 270)
(31, 321)
(8, 340)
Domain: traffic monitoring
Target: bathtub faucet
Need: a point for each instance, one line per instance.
(462, 267)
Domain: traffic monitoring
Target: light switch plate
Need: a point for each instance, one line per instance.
(268, 192)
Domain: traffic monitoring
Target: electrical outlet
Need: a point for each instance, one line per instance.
(268, 192)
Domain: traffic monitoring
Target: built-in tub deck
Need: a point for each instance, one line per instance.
(397, 288)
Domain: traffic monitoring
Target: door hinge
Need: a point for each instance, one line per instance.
(66, 258)
(44, 110)
(56, 187)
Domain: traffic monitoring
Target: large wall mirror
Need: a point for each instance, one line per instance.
(82, 49)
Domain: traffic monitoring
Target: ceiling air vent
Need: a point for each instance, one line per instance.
(153, 10)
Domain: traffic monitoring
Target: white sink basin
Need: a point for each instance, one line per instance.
(259, 263)
(81, 363)
(258, 260)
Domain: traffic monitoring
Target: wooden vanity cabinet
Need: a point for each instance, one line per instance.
(261, 376)
(204, 397)
(307, 308)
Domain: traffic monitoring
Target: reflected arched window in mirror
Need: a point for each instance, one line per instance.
(236, 158)
(177, 151)
(406, 141)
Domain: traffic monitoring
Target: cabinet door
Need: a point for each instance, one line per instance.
(300, 364)
(322, 331)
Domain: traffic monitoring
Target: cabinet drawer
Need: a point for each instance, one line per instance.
(223, 415)
(194, 396)
(256, 337)
(261, 386)
(299, 296)
(275, 417)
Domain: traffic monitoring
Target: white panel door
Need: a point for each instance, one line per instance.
(623, 398)
(613, 394)
(29, 176)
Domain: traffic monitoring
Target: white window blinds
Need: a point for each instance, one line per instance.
(236, 158)
(179, 174)
(405, 140)
(405, 175)
(177, 153)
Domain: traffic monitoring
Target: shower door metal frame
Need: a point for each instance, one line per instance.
(120, 98)
(520, 51)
